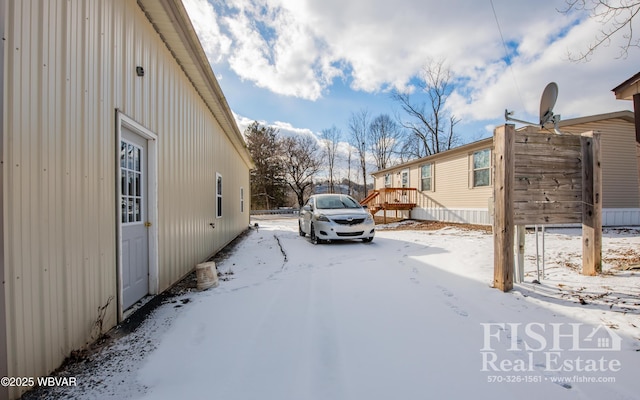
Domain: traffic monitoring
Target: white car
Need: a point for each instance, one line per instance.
(327, 217)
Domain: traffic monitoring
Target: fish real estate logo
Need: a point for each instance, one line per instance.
(549, 347)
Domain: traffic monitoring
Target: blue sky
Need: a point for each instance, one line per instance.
(306, 65)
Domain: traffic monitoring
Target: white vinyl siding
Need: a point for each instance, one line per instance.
(620, 161)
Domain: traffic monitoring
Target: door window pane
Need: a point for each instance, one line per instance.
(123, 155)
(131, 184)
(123, 210)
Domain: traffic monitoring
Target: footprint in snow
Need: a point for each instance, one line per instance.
(457, 310)
(415, 272)
(445, 291)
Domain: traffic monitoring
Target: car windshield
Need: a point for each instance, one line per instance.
(336, 202)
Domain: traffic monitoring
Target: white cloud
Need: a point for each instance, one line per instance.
(274, 50)
(285, 129)
(203, 17)
(584, 88)
(297, 48)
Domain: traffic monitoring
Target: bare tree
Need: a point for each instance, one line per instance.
(302, 163)
(330, 139)
(615, 17)
(385, 134)
(428, 122)
(358, 128)
(349, 183)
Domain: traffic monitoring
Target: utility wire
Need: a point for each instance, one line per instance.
(506, 55)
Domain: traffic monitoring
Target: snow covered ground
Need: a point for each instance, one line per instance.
(409, 316)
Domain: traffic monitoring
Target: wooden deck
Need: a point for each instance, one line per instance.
(396, 199)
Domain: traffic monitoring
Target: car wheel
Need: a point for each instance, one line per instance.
(314, 238)
(367, 240)
(300, 231)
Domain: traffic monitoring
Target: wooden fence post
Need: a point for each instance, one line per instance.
(591, 204)
(503, 225)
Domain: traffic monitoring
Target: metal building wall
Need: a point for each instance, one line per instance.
(4, 392)
(69, 66)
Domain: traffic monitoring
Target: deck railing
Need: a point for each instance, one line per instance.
(391, 198)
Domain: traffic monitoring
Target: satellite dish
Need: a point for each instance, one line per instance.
(547, 102)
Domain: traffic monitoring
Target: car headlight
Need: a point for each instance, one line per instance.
(322, 218)
(369, 218)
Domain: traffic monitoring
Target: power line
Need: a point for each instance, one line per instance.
(506, 55)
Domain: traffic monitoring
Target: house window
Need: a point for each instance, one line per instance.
(218, 195)
(241, 200)
(426, 177)
(482, 168)
(387, 180)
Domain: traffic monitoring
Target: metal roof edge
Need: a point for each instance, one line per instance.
(197, 67)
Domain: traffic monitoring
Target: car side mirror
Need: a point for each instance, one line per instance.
(306, 208)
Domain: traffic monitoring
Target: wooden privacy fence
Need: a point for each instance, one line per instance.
(540, 179)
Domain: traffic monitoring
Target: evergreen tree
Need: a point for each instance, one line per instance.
(268, 186)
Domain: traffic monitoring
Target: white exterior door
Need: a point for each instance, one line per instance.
(133, 216)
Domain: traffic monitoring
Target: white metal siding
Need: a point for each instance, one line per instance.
(4, 391)
(69, 65)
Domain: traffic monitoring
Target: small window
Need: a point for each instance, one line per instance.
(131, 181)
(387, 180)
(482, 168)
(218, 195)
(404, 175)
(241, 200)
(426, 177)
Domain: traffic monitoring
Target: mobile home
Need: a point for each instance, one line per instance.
(455, 185)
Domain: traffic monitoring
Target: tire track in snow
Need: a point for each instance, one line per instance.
(323, 346)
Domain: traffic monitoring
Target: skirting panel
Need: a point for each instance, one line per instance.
(610, 216)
